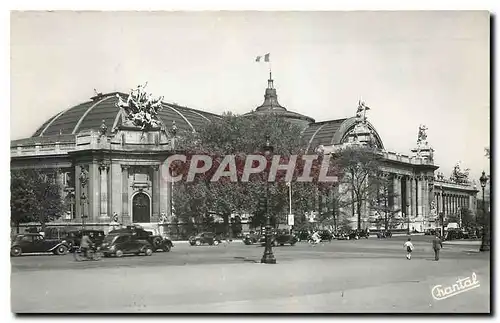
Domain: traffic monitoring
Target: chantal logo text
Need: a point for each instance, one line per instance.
(440, 292)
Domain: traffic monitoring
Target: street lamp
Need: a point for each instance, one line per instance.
(485, 241)
(83, 199)
(268, 257)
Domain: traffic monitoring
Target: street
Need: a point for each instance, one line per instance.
(363, 276)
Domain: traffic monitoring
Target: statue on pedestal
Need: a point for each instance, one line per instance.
(422, 135)
(458, 175)
(361, 112)
(140, 109)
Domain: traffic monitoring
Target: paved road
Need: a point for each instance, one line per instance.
(342, 276)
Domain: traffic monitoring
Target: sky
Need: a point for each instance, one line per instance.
(410, 68)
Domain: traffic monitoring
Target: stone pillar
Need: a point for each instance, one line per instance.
(418, 189)
(156, 193)
(103, 168)
(397, 191)
(78, 193)
(409, 195)
(125, 216)
(425, 197)
(94, 193)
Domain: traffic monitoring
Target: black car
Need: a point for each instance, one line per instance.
(302, 235)
(384, 234)
(280, 238)
(326, 235)
(156, 241)
(74, 237)
(119, 244)
(204, 238)
(35, 243)
(251, 238)
(430, 232)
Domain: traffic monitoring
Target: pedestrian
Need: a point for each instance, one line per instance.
(437, 244)
(409, 248)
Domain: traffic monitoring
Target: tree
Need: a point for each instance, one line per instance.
(381, 204)
(240, 136)
(35, 197)
(467, 218)
(360, 175)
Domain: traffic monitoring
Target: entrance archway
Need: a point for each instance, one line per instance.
(141, 208)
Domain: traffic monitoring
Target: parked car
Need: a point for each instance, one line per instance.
(119, 244)
(158, 242)
(73, 238)
(384, 234)
(204, 238)
(302, 235)
(251, 238)
(341, 235)
(280, 238)
(430, 232)
(34, 242)
(326, 235)
(363, 234)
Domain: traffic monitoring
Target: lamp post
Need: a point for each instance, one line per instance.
(268, 257)
(485, 241)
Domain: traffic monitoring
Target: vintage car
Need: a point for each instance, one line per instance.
(119, 244)
(251, 238)
(73, 238)
(280, 238)
(384, 234)
(204, 238)
(326, 235)
(36, 243)
(158, 242)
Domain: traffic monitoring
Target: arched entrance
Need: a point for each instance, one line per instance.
(141, 208)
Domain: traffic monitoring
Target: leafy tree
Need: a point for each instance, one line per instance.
(467, 218)
(35, 197)
(381, 204)
(360, 175)
(240, 136)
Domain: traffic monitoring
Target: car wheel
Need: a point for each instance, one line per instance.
(61, 250)
(119, 253)
(148, 251)
(16, 251)
(292, 244)
(198, 243)
(167, 248)
(216, 243)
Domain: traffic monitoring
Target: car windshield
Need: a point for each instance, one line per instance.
(109, 238)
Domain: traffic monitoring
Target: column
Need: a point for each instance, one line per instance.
(407, 206)
(93, 189)
(397, 191)
(425, 199)
(419, 196)
(125, 216)
(78, 193)
(156, 193)
(103, 168)
(413, 207)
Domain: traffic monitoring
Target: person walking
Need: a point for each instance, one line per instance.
(409, 248)
(437, 244)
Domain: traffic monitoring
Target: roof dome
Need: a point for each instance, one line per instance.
(271, 105)
(90, 115)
